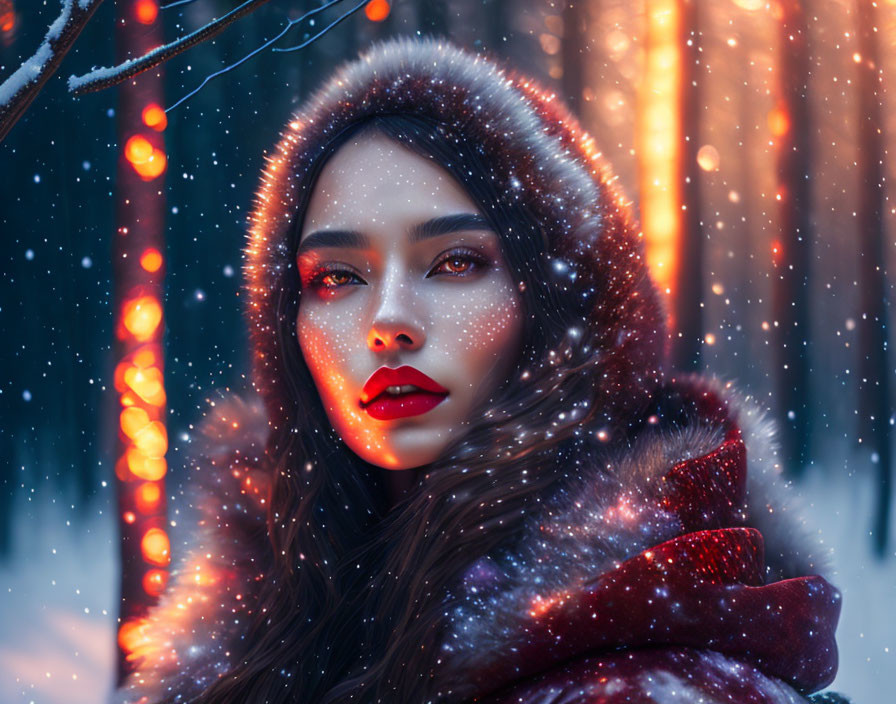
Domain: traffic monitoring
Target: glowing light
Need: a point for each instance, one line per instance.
(7, 19)
(148, 497)
(137, 149)
(147, 161)
(145, 356)
(750, 5)
(153, 167)
(541, 605)
(133, 419)
(141, 317)
(777, 251)
(778, 121)
(658, 137)
(550, 43)
(152, 440)
(708, 158)
(154, 582)
(147, 384)
(153, 116)
(151, 260)
(146, 11)
(132, 635)
(156, 547)
(377, 10)
(129, 517)
(710, 339)
(151, 469)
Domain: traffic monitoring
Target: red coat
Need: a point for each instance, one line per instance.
(671, 572)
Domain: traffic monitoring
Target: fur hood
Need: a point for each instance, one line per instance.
(601, 522)
(540, 160)
(674, 536)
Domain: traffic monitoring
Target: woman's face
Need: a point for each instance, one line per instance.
(400, 271)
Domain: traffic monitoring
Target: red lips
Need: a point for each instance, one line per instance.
(384, 377)
(385, 406)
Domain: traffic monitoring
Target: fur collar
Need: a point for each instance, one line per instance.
(223, 550)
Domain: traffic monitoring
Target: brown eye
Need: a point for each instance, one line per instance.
(336, 278)
(331, 279)
(459, 264)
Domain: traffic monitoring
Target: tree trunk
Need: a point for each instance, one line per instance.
(139, 331)
(573, 54)
(688, 335)
(790, 287)
(874, 367)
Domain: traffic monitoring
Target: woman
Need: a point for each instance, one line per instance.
(471, 479)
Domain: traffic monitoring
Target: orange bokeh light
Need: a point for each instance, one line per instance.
(377, 10)
(151, 260)
(141, 317)
(658, 133)
(777, 251)
(151, 469)
(137, 149)
(148, 496)
(778, 121)
(147, 161)
(147, 384)
(8, 21)
(156, 547)
(152, 167)
(132, 635)
(153, 116)
(146, 11)
(152, 440)
(133, 419)
(154, 582)
(129, 517)
(145, 356)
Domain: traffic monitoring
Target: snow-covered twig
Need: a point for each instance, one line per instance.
(289, 25)
(19, 90)
(105, 77)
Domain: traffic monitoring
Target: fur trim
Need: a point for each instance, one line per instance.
(595, 520)
(186, 640)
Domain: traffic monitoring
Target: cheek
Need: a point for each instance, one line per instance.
(328, 343)
(483, 327)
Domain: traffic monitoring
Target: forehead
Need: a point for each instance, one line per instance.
(373, 181)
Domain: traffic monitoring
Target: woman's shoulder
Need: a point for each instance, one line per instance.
(220, 551)
(678, 538)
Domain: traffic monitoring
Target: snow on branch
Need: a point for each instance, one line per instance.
(21, 88)
(105, 77)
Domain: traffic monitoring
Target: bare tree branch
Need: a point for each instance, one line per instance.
(19, 90)
(289, 25)
(105, 77)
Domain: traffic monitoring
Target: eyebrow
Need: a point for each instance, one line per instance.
(419, 232)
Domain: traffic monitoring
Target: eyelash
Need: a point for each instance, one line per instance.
(317, 277)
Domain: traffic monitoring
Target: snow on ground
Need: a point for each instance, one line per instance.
(58, 595)
(58, 599)
(837, 504)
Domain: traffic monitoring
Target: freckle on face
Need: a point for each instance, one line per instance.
(462, 331)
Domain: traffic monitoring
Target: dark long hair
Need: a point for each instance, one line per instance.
(351, 604)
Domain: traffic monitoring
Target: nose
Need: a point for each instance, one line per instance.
(384, 337)
(395, 324)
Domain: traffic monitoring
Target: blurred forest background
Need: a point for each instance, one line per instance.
(752, 136)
